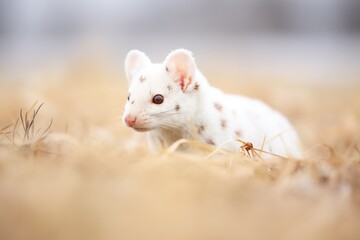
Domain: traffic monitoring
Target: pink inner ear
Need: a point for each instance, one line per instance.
(183, 78)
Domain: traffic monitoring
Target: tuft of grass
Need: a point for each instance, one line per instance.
(26, 135)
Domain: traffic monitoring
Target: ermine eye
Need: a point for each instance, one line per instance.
(158, 99)
(128, 98)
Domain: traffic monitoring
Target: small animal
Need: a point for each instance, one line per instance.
(173, 100)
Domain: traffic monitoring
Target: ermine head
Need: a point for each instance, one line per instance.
(160, 95)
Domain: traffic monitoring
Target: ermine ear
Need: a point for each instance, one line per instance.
(180, 64)
(135, 61)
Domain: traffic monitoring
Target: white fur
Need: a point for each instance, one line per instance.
(205, 113)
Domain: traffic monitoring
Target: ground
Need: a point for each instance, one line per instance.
(76, 172)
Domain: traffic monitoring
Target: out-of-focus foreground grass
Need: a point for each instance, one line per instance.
(89, 177)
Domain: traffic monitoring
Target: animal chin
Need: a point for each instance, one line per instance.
(142, 129)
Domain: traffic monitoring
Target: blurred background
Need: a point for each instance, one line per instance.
(299, 40)
(80, 173)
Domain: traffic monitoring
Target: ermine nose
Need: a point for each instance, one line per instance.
(130, 120)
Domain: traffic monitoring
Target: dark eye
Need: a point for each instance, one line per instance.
(128, 98)
(158, 99)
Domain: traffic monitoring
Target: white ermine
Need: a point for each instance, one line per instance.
(173, 100)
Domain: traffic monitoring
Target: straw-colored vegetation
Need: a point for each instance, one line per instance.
(69, 169)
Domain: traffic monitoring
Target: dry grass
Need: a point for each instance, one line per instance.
(83, 175)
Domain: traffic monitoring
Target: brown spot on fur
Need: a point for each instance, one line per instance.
(201, 129)
(177, 107)
(209, 141)
(167, 69)
(196, 87)
(218, 107)
(142, 78)
(169, 87)
(223, 123)
(238, 133)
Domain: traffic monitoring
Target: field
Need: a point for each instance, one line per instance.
(74, 171)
